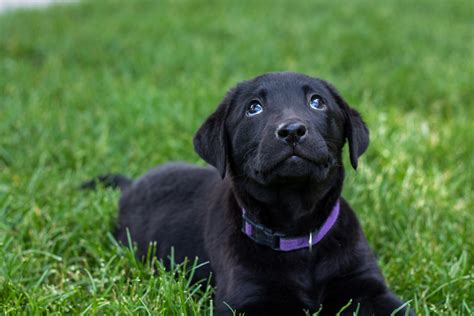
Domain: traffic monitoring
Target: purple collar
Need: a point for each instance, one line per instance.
(277, 241)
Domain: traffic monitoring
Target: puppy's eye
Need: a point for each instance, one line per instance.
(317, 103)
(254, 108)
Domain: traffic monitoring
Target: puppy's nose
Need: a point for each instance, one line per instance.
(292, 132)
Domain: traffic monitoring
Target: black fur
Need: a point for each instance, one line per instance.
(290, 188)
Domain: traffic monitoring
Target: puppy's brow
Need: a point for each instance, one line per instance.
(262, 93)
(307, 89)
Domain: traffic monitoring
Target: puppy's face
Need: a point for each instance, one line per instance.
(281, 128)
(284, 127)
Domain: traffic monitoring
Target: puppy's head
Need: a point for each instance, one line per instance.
(281, 128)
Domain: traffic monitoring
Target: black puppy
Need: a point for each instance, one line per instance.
(269, 217)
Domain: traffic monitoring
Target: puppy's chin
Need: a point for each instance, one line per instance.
(293, 170)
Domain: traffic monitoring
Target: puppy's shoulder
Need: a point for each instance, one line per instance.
(348, 227)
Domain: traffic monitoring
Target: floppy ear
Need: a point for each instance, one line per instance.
(355, 129)
(210, 141)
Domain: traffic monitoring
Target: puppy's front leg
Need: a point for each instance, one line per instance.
(368, 295)
(260, 308)
(384, 304)
(252, 300)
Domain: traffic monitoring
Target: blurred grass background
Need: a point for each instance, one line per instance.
(122, 86)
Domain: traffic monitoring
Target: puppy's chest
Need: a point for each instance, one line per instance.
(309, 282)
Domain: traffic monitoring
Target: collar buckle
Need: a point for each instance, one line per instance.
(261, 234)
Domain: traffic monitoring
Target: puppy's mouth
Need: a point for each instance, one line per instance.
(294, 159)
(298, 158)
(297, 165)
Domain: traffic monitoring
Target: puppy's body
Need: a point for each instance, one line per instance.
(193, 210)
(280, 160)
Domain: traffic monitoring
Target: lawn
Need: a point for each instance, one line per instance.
(97, 87)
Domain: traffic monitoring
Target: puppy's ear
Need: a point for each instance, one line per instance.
(210, 141)
(355, 129)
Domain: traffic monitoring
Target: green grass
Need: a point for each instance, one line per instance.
(97, 87)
